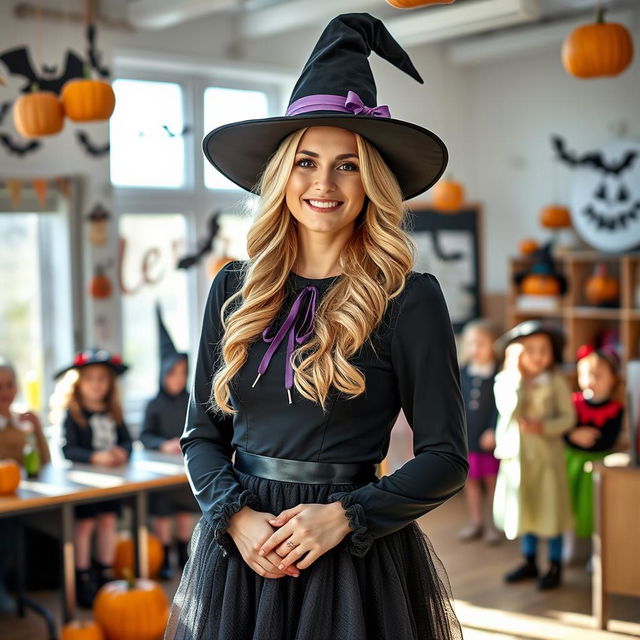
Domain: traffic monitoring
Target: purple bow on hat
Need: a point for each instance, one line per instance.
(303, 309)
(327, 102)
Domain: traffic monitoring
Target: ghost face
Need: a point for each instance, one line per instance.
(605, 200)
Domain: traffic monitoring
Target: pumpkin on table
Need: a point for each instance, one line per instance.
(82, 630)
(38, 113)
(132, 609)
(597, 49)
(9, 477)
(447, 196)
(124, 556)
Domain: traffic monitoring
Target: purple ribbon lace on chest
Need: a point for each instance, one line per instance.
(297, 327)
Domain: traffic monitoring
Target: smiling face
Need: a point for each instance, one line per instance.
(595, 378)
(95, 383)
(324, 192)
(537, 354)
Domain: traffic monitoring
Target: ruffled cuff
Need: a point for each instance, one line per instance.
(359, 541)
(220, 520)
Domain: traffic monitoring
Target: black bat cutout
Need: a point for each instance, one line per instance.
(186, 129)
(50, 70)
(18, 63)
(90, 147)
(94, 55)
(595, 158)
(204, 245)
(16, 148)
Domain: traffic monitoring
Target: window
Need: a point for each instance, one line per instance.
(36, 320)
(147, 145)
(229, 105)
(151, 246)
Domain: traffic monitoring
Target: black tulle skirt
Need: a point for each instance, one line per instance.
(398, 590)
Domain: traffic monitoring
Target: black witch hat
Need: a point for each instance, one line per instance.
(532, 327)
(169, 355)
(94, 356)
(336, 88)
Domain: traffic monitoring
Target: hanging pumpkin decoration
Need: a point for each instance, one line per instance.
(82, 630)
(131, 609)
(124, 557)
(9, 477)
(602, 289)
(555, 217)
(38, 113)
(100, 285)
(412, 4)
(597, 49)
(86, 100)
(528, 246)
(98, 225)
(448, 196)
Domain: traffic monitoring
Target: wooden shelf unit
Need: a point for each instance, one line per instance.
(580, 321)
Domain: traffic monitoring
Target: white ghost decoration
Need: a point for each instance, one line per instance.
(605, 194)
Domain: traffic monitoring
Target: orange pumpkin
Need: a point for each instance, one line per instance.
(38, 113)
(602, 288)
(132, 610)
(597, 49)
(448, 196)
(100, 285)
(124, 558)
(82, 630)
(528, 246)
(555, 217)
(85, 100)
(411, 4)
(540, 284)
(9, 476)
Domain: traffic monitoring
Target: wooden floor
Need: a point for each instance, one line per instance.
(487, 608)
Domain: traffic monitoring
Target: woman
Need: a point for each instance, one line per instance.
(298, 538)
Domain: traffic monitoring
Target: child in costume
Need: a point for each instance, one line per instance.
(598, 425)
(94, 433)
(535, 409)
(477, 380)
(163, 424)
(14, 427)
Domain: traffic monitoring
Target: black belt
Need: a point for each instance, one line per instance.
(304, 470)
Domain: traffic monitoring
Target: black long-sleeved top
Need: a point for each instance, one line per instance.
(605, 416)
(101, 433)
(163, 418)
(480, 405)
(411, 363)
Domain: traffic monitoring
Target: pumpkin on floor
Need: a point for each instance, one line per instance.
(597, 49)
(86, 100)
(82, 630)
(9, 477)
(37, 114)
(124, 557)
(132, 609)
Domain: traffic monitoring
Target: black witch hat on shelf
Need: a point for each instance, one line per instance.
(543, 265)
(336, 88)
(169, 355)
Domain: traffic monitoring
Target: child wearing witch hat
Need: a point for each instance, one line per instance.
(533, 399)
(94, 433)
(163, 424)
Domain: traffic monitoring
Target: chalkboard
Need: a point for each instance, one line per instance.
(448, 246)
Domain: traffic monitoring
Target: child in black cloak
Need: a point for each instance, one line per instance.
(163, 424)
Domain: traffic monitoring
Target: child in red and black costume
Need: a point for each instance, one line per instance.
(598, 425)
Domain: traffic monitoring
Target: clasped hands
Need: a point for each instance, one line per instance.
(274, 545)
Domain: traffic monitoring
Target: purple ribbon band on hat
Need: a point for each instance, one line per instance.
(298, 327)
(327, 102)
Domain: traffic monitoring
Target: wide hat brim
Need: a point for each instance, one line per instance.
(240, 150)
(532, 327)
(118, 368)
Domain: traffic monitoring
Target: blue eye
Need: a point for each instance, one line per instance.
(351, 166)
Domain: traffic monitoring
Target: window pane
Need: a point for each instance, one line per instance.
(229, 105)
(147, 148)
(152, 245)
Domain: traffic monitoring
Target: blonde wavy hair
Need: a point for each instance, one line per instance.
(67, 397)
(374, 264)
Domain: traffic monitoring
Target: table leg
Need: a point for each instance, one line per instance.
(141, 535)
(68, 564)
